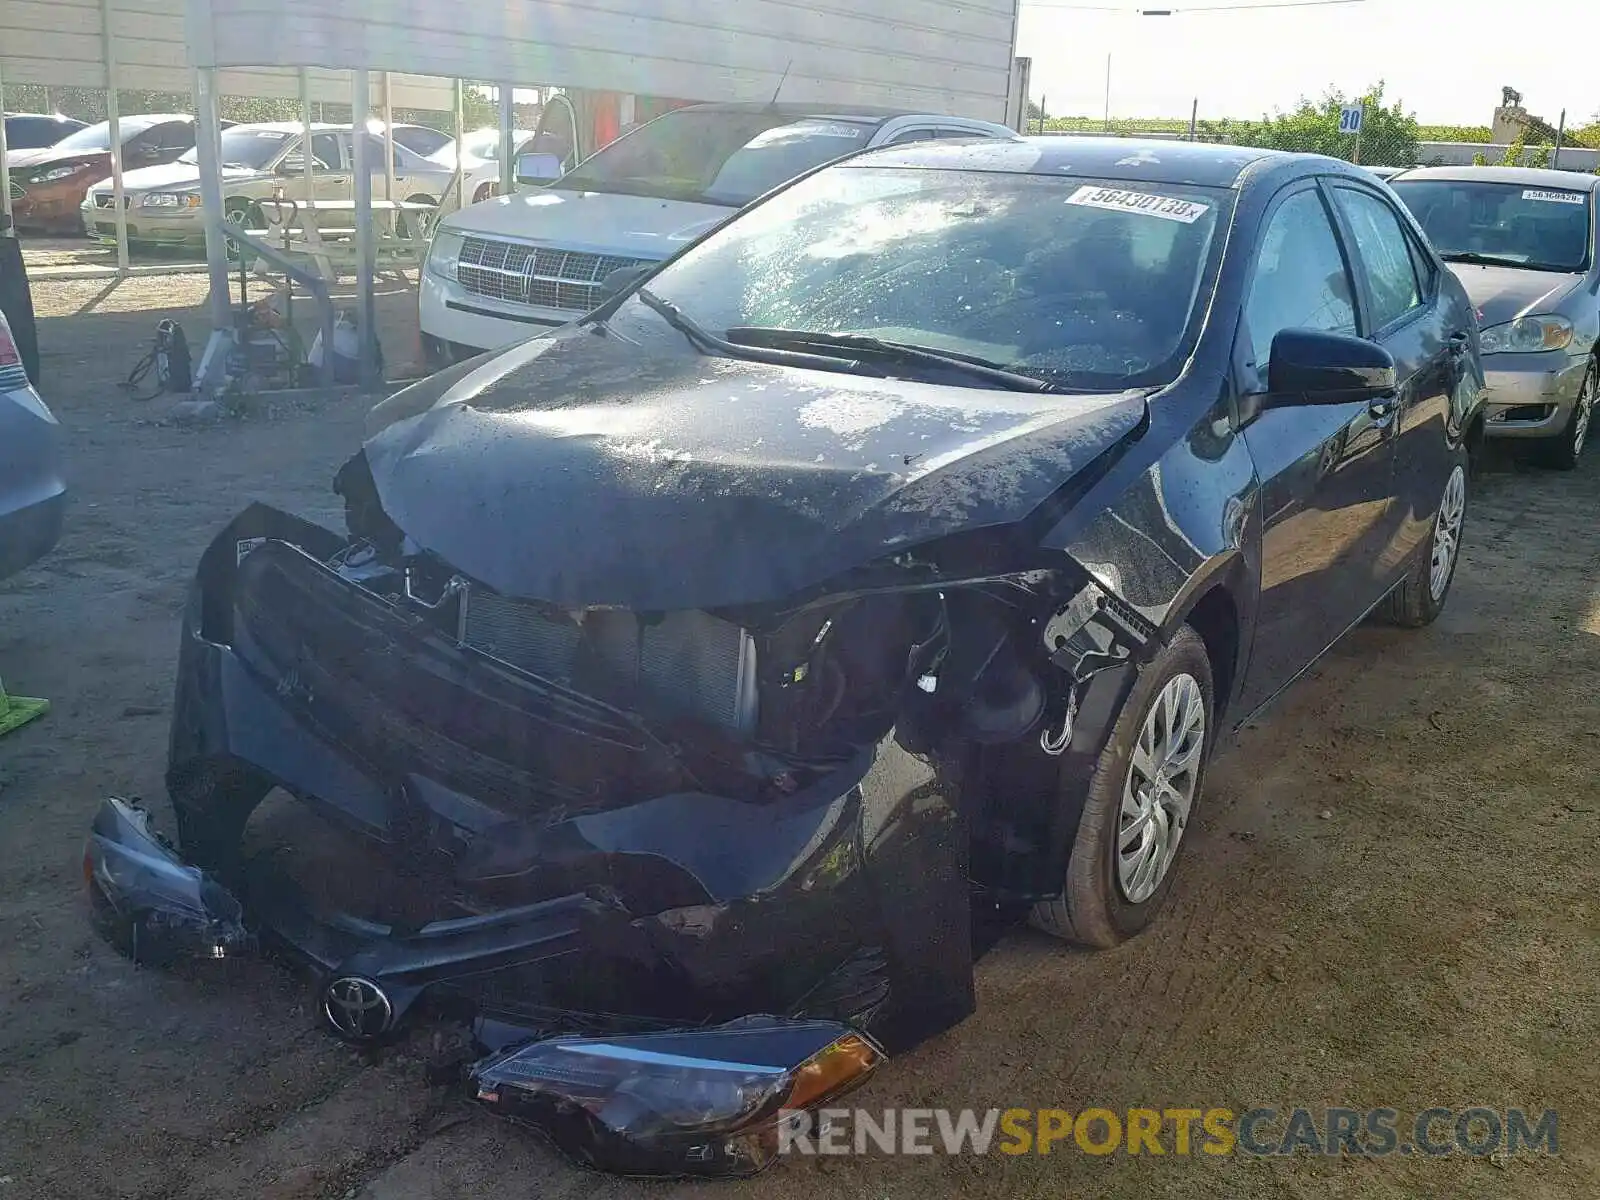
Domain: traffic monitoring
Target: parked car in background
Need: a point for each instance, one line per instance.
(258, 162)
(503, 270)
(49, 185)
(35, 131)
(480, 160)
(1387, 173)
(923, 526)
(419, 139)
(1523, 242)
(32, 492)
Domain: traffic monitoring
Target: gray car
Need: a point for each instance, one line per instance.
(32, 494)
(1523, 241)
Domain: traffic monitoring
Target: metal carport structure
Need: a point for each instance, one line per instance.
(953, 56)
(115, 45)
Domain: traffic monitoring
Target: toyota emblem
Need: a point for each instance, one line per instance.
(357, 1009)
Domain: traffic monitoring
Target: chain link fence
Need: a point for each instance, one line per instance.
(1365, 129)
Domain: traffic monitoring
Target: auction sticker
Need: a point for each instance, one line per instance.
(1553, 197)
(1168, 208)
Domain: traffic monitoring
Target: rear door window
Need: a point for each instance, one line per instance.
(1385, 254)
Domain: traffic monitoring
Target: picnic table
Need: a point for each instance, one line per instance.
(324, 232)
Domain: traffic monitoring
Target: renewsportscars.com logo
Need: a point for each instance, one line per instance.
(1178, 1132)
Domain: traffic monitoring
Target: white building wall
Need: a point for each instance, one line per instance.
(953, 56)
(60, 43)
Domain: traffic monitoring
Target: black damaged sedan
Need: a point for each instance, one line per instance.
(690, 676)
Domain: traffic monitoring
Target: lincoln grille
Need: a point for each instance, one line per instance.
(540, 276)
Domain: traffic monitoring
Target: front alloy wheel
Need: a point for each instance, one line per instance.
(1140, 801)
(1162, 781)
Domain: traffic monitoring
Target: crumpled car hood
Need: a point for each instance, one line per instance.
(584, 470)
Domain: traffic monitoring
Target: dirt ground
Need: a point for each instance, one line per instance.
(1389, 899)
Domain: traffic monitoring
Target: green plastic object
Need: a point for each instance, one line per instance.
(17, 711)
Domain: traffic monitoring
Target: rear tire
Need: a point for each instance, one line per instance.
(1137, 798)
(1421, 596)
(1562, 452)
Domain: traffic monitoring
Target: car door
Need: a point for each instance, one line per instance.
(1325, 472)
(1406, 316)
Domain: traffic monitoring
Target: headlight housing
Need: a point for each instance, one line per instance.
(1528, 335)
(693, 1102)
(170, 200)
(444, 253)
(55, 173)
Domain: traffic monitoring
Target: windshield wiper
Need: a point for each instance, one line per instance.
(1486, 260)
(703, 340)
(897, 352)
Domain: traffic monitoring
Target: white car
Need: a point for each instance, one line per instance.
(500, 271)
(480, 160)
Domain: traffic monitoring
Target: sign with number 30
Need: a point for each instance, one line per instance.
(1351, 117)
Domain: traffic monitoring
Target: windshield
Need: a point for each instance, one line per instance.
(254, 148)
(1538, 228)
(1078, 282)
(716, 156)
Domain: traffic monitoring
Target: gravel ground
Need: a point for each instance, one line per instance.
(1389, 899)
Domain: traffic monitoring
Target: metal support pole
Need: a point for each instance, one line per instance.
(1561, 137)
(388, 139)
(209, 152)
(305, 147)
(108, 43)
(360, 110)
(1194, 120)
(460, 180)
(5, 174)
(508, 120)
(1357, 157)
(1108, 93)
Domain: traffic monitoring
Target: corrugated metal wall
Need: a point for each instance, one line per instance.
(953, 56)
(59, 43)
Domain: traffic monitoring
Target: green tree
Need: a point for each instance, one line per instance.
(1515, 151)
(1389, 135)
(1480, 159)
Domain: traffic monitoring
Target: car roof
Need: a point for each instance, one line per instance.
(1136, 160)
(57, 117)
(1567, 181)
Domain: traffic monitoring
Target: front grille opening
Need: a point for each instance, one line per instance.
(541, 276)
(690, 662)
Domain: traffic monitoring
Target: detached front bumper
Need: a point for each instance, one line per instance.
(714, 1100)
(1531, 395)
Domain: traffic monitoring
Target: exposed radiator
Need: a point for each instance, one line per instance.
(689, 662)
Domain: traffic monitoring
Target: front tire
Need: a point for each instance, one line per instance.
(1564, 450)
(1421, 596)
(1140, 802)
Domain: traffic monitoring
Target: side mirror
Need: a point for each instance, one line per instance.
(538, 168)
(622, 279)
(1311, 367)
(292, 166)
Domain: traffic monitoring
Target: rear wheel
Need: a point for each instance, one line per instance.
(1563, 451)
(1140, 802)
(1421, 596)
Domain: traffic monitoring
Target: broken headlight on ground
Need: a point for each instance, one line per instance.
(696, 1102)
(148, 903)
